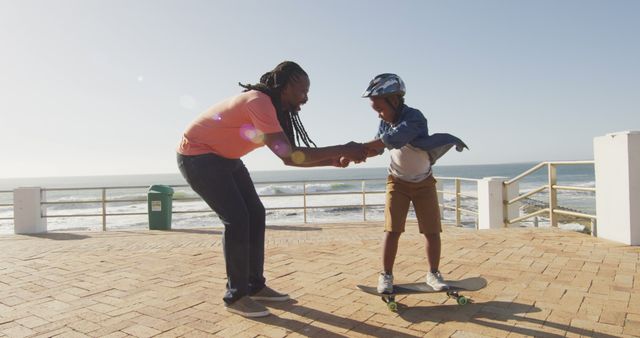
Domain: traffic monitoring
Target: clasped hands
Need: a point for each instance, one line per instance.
(352, 152)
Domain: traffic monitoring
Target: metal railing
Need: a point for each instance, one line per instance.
(103, 201)
(6, 205)
(305, 195)
(553, 210)
(458, 195)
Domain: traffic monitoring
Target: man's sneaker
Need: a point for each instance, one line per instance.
(246, 307)
(385, 283)
(435, 281)
(268, 293)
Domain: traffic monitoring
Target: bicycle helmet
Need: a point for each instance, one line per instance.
(384, 85)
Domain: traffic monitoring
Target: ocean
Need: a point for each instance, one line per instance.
(335, 195)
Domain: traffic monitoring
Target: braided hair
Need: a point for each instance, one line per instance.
(272, 83)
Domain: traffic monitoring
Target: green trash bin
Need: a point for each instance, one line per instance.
(159, 207)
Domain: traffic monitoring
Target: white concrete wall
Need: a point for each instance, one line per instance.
(26, 211)
(617, 171)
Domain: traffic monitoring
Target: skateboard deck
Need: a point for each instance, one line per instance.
(455, 286)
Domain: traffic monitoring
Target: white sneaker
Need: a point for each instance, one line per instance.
(435, 281)
(385, 283)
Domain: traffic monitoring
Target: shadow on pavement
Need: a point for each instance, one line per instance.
(293, 228)
(493, 314)
(319, 318)
(199, 231)
(59, 236)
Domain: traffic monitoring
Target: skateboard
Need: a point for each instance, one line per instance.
(455, 286)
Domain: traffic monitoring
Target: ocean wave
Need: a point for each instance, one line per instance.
(587, 184)
(320, 187)
(342, 209)
(280, 189)
(72, 198)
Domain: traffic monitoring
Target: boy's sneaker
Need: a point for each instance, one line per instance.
(385, 283)
(246, 307)
(268, 293)
(435, 281)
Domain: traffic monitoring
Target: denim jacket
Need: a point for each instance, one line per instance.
(411, 128)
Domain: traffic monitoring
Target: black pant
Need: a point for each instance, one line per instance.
(225, 185)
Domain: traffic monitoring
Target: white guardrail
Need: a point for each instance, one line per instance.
(96, 202)
(551, 209)
(6, 196)
(98, 199)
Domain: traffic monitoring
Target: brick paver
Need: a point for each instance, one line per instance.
(542, 282)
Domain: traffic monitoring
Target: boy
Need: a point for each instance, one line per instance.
(403, 130)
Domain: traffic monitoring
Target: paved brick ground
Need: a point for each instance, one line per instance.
(542, 282)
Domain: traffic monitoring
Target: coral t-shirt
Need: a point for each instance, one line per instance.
(233, 127)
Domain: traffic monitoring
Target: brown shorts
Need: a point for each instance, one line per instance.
(424, 196)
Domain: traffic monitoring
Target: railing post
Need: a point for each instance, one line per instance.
(512, 211)
(491, 203)
(439, 192)
(553, 198)
(457, 184)
(364, 202)
(27, 211)
(617, 169)
(304, 200)
(104, 209)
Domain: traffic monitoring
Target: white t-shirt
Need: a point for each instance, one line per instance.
(410, 164)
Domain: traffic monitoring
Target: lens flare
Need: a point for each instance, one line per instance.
(259, 139)
(281, 148)
(250, 133)
(297, 157)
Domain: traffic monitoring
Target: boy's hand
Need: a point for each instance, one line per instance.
(347, 159)
(355, 152)
(371, 152)
(374, 148)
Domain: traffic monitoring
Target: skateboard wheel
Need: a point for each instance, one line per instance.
(393, 306)
(462, 300)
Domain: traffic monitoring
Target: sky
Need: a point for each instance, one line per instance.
(92, 87)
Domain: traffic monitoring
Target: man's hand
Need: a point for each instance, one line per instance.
(341, 162)
(344, 162)
(355, 152)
